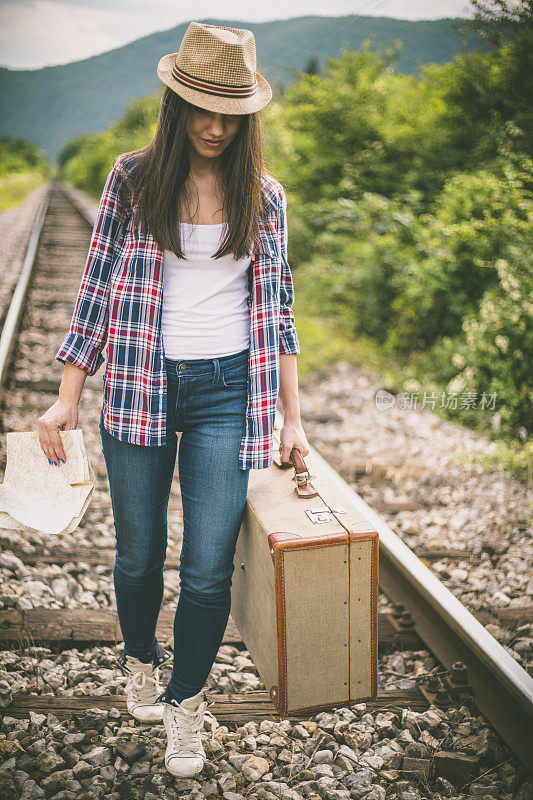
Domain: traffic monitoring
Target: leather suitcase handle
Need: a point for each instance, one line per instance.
(304, 488)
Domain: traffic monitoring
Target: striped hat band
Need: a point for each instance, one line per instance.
(212, 87)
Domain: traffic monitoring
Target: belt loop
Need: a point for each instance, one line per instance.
(216, 377)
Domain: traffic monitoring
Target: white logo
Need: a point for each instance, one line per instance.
(384, 400)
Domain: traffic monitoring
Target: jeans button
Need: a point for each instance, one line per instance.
(183, 366)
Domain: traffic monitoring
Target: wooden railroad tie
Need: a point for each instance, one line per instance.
(232, 708)
(61, 628)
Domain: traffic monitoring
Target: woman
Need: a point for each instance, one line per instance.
(187, 281)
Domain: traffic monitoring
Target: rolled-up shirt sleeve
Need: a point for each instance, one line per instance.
(87, 334)
(288, 338)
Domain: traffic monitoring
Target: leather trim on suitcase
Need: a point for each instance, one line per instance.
(279, 543)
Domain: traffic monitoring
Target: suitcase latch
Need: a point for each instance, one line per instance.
(304, 487)
(324, 514)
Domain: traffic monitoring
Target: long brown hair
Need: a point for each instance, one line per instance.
(157, 176)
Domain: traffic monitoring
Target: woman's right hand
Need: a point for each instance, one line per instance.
(62, 415)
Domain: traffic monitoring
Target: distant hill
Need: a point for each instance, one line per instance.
(52, 105)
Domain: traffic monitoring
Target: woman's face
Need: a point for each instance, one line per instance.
(210, 132)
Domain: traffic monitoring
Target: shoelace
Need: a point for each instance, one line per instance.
(142, 686)
(188, 734)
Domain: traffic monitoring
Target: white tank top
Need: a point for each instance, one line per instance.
(205, 300)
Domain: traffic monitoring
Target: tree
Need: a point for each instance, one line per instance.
(313, 66)
(496, 88)
(499, 21)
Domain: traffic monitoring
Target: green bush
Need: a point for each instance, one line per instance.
(19, 155)
(475, 220)
(497, 350)
(86, 161)
(363, 248)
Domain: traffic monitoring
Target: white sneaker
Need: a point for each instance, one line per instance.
(142, 686)
(185, 754)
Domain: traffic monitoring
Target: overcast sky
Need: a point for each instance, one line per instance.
(38, 33)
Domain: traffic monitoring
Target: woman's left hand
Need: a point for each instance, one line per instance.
(290, 435)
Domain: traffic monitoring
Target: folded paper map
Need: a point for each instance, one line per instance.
(38, 495)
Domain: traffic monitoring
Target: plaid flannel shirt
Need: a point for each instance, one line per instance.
(120, 302)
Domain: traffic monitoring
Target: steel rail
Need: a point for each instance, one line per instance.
(18, 300)
(502, 689)
(81, 208)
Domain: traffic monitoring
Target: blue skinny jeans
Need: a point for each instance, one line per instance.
(206, 401)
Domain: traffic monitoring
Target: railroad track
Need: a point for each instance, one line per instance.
(422, 614)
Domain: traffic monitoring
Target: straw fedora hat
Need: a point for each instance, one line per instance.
(215, 68)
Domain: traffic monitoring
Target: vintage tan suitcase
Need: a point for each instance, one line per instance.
(304, 588)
